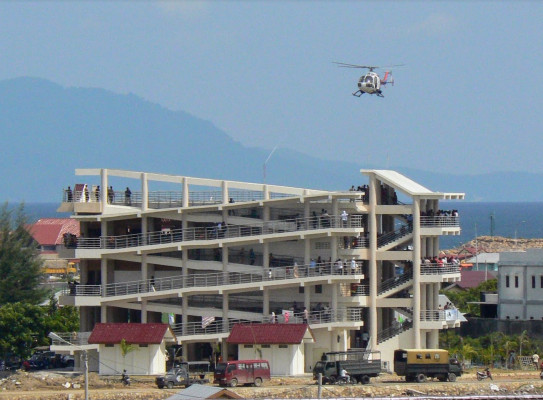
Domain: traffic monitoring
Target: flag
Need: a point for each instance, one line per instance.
(206, 321)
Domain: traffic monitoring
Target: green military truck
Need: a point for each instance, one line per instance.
(361, 365)
(184, 374)
(418, 364)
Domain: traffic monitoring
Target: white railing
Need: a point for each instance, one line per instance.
(214, 232)
(209, 280)
(74, 338)
(449, 315)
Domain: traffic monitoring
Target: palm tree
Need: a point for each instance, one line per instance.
(127, 347)
(524, 338)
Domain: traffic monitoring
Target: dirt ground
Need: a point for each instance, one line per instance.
(61, 385)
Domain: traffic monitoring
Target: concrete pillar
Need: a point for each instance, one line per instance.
(266, 192)
(144, 228)
(307, 250)
(266, 302)
(224, 350)
(423, 305)
(225, 251)
(335, 210)
(429, 246)
(185, 192)
(104, 273)
(416, 272)
(307, 297)
(224, 187)
(225, 308)
(144, 192)
(372, 265)
(144, 267)
(333, 248)
(143, 311)
(423, 243)
(266, 255)
(335, 290)
(185, 315)
(103, 313)
(103, 186)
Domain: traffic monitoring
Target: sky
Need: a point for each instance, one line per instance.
(468, 99)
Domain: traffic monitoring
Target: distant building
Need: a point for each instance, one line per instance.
(484, 262)
(520, 285)
(50, 234)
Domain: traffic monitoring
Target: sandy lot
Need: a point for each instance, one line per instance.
(52, 385)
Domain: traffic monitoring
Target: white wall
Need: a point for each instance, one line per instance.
(149, 360)
(283, 361)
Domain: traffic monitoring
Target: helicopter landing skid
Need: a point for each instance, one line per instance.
(358, 93)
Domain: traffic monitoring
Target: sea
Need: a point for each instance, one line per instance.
(513, 220)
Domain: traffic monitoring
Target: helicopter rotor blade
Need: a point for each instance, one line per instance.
(344, 65)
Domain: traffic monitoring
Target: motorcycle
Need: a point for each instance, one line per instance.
(484, 374)
(343, 380)
(125, 379)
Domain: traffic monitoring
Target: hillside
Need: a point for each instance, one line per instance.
(49, 130)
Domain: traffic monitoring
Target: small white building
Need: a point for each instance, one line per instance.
(147, 358)
(520, 285)
(281, 344)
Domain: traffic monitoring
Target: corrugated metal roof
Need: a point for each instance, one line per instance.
(198, 391)
(49, 231)
(485, 258)
(270, 334)
(113, 333)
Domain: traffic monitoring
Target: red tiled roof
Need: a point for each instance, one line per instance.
(49, 231)
(268, 333)
(471, 279)
(113, 333)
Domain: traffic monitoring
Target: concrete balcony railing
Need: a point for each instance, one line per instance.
(166, 199)
(440, 221)
(276, 274)
(439, 269)
(313, 318)
(215, 232)
(449, 315)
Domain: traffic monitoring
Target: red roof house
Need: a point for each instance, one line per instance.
(270, 334)
(148, 356)
(49, 231)
(282, 345)
(113, 333)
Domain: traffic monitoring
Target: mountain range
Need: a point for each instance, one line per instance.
(48, 131)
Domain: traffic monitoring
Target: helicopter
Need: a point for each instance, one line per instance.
(371, 83)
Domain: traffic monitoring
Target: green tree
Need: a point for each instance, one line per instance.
(20, 264)
(463, 299)
(22, 327)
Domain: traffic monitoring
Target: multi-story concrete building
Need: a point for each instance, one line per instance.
(210, 253)
(520, 284)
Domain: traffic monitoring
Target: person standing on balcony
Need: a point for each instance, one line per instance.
(69, 195)
(127, 197)
(110, 195)
(344, 219)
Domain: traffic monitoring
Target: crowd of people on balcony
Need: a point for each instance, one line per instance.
(439, 213)
(440, 261)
